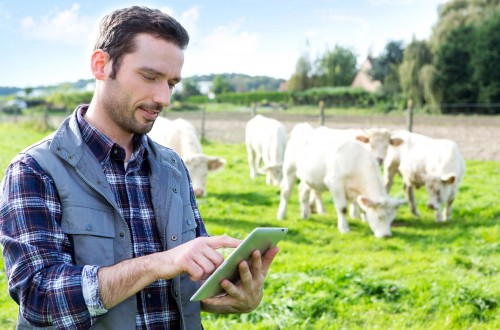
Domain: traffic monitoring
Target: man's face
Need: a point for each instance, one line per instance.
(143, 85)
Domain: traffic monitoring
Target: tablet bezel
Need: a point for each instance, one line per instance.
(261, 238)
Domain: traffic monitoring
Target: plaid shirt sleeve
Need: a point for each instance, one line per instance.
(42, 277)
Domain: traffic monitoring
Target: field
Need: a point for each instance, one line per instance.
(427, 276)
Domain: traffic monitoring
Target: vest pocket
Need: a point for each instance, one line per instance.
(189, 224)
(91, 232)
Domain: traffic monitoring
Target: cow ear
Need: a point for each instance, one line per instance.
(396, 202)
(365, 203)
(396, 141)
(216, 163)
(362, 138)
(449, 178)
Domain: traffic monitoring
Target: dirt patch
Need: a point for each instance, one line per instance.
(478, 137)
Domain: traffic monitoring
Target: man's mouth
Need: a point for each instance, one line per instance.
(149, 113)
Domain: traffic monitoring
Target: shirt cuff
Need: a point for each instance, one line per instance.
(90, 288)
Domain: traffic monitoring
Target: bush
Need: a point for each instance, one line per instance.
(245, 98)
(335, 96)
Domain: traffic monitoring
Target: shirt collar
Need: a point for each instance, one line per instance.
(103, 147)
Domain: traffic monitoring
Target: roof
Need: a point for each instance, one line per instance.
(363, 79)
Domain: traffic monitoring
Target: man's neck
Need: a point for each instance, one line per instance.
(106, 126)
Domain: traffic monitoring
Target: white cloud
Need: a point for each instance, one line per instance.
(189, 20)
(168, 10)
(390, 2)
(61, 26)
(337, 29)
(225, 49)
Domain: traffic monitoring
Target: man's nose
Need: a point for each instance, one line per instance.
(162, 94)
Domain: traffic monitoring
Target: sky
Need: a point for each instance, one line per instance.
(50, 42)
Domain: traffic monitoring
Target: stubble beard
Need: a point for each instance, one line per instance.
(116, 107)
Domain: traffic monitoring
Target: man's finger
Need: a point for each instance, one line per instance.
(268, 258)
(217, 242)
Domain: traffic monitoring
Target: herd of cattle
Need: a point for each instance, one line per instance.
(344, 162)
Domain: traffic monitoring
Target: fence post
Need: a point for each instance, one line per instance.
(46, 117)
(211, 97)
(409, 118)
(322, 113)
(254, 109)
(203, 118)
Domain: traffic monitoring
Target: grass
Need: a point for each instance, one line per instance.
(13, 138)
(427, 276)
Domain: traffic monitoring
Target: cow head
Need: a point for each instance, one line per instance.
(199, 166)
(379, 213)
(440, 189)
(378, 140)
(274, 174)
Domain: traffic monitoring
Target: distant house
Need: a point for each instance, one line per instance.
(204, 86)
(14, 106)
(363, 79)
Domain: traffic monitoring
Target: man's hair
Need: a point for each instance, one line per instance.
(118, 29)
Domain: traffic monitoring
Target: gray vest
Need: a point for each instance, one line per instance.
(98, 232)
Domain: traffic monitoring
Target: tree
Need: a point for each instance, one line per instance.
(221, 85)
(453, 78)
(301, 78)
(465, 43)
(456, 13)
(335, 68)
(416, 55)
(386, 70)
(486, 60)
(189, 88)
(28, 91)
(386, 64)
(427, 81)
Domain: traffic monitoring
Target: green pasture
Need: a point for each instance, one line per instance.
(427, 276)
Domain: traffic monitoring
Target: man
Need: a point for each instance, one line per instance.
(99, 225)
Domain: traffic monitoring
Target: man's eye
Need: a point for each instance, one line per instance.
(149, 78)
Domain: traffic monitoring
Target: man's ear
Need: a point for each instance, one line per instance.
(98, 63)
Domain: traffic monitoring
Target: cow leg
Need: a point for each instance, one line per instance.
(286, 190)
(269, 177)
(316, 202)
(354, 211)
(252, 162)
(388, 175)
(447, 210)
(410, 196)
(341, 209)
(438, 213)
(304, 193)
(339, 197)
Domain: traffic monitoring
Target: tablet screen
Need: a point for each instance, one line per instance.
(261, 238)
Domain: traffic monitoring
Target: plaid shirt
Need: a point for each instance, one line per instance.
(37, 253)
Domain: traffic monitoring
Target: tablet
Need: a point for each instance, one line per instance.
(261, 238)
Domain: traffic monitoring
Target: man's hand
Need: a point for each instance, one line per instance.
(245, 296)
(198, 258)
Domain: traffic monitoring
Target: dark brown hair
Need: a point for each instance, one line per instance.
(118, 29)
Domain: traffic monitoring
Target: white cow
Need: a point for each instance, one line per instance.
(181, 136)
(327, 160)
(422, 160)
(265, 140)
(376, 140)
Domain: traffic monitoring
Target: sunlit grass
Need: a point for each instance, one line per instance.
(427, 276)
